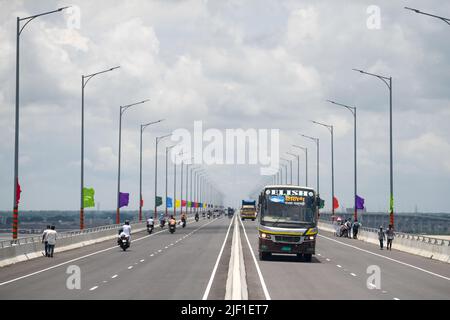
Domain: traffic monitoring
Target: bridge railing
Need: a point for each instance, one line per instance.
(61, 235)
(402, 235)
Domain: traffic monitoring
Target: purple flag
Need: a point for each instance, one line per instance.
(359, 202)
(123, 199)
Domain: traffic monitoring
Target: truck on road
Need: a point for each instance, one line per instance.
(248, 210)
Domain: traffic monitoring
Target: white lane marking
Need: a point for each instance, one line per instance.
(72, 260)
(142, 260)
(159, 250)
(353, 274)
(152, 255)
(384, 257)
(130, 267)
(261, 279)
(166, 247)
(338, 266)
(328, 259)
(208, 287)
(93, 288)
(319, 254)
(114, 276)
(396, 299)
(75, 259)
(382, 291)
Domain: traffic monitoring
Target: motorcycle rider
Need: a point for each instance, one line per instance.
(183, 218)
(126, 229)
(172, 221)
(196, 216)
(150, 223)
(162, 220)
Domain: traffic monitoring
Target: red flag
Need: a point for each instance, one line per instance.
(142, 202)
(335, 203)
(183, 203)
(18, 192)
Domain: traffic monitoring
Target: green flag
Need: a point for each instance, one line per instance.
(158, 201)
(391, 207)
(88, 197)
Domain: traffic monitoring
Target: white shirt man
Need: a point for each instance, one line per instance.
(50, 238)
(126, 229)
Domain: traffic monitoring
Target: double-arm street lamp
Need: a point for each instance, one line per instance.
(122, 111)
(353, 111)
(16, 133)
(388, 82)
(306, 161)
(446, 20)
(143, 126)
(330, 128)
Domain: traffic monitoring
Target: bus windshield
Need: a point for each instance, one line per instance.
(281, 211)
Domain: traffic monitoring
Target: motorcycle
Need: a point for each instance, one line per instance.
(149, 228)
(196, 218)
(209, 215)
(172, 228)
(162, 223)
(124, 242)
(183, 223)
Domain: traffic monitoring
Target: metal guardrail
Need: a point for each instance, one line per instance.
(61, 235)
(409, 236)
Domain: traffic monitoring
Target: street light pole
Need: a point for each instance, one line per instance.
(298, 166)
(306, 161)
(84, 81)
(330, 128)
(446, 20)
(388, 82)
(290, 165)
(122, 110)
(316, 140)
(158, 139)
(16, 132)
(143, 126)
(167, 151)
(285, 173)
(353, 111)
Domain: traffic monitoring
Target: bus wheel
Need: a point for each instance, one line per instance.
(307, 257)
(253, 219)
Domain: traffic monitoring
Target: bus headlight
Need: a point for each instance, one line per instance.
(311, 232)
(265, 236)
(311, 237)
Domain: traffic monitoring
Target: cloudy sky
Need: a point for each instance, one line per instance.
(232, 64)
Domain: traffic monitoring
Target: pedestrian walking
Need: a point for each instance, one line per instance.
(381, 237)
(51, 241)
(390, 236)
(45, 242)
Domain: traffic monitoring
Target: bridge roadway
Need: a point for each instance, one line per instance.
(186, 265)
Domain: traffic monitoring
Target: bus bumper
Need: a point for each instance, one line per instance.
(306, 247)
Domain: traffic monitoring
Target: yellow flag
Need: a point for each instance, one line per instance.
(178, 203)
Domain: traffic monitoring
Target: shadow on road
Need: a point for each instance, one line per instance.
(290, 258)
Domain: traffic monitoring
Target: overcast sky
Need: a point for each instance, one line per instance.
(232, 64)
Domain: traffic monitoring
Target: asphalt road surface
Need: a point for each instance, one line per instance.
(193, 264)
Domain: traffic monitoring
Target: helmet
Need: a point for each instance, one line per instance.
(127, 221)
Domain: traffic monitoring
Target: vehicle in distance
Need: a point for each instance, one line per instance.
(287, 222)
(248, 210)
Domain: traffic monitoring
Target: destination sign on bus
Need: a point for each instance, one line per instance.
(290, 192)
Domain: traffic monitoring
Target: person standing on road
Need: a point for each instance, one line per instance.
(45, 241)
(50, 237)
(381, 237)
(390, 236)
(355, 228)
